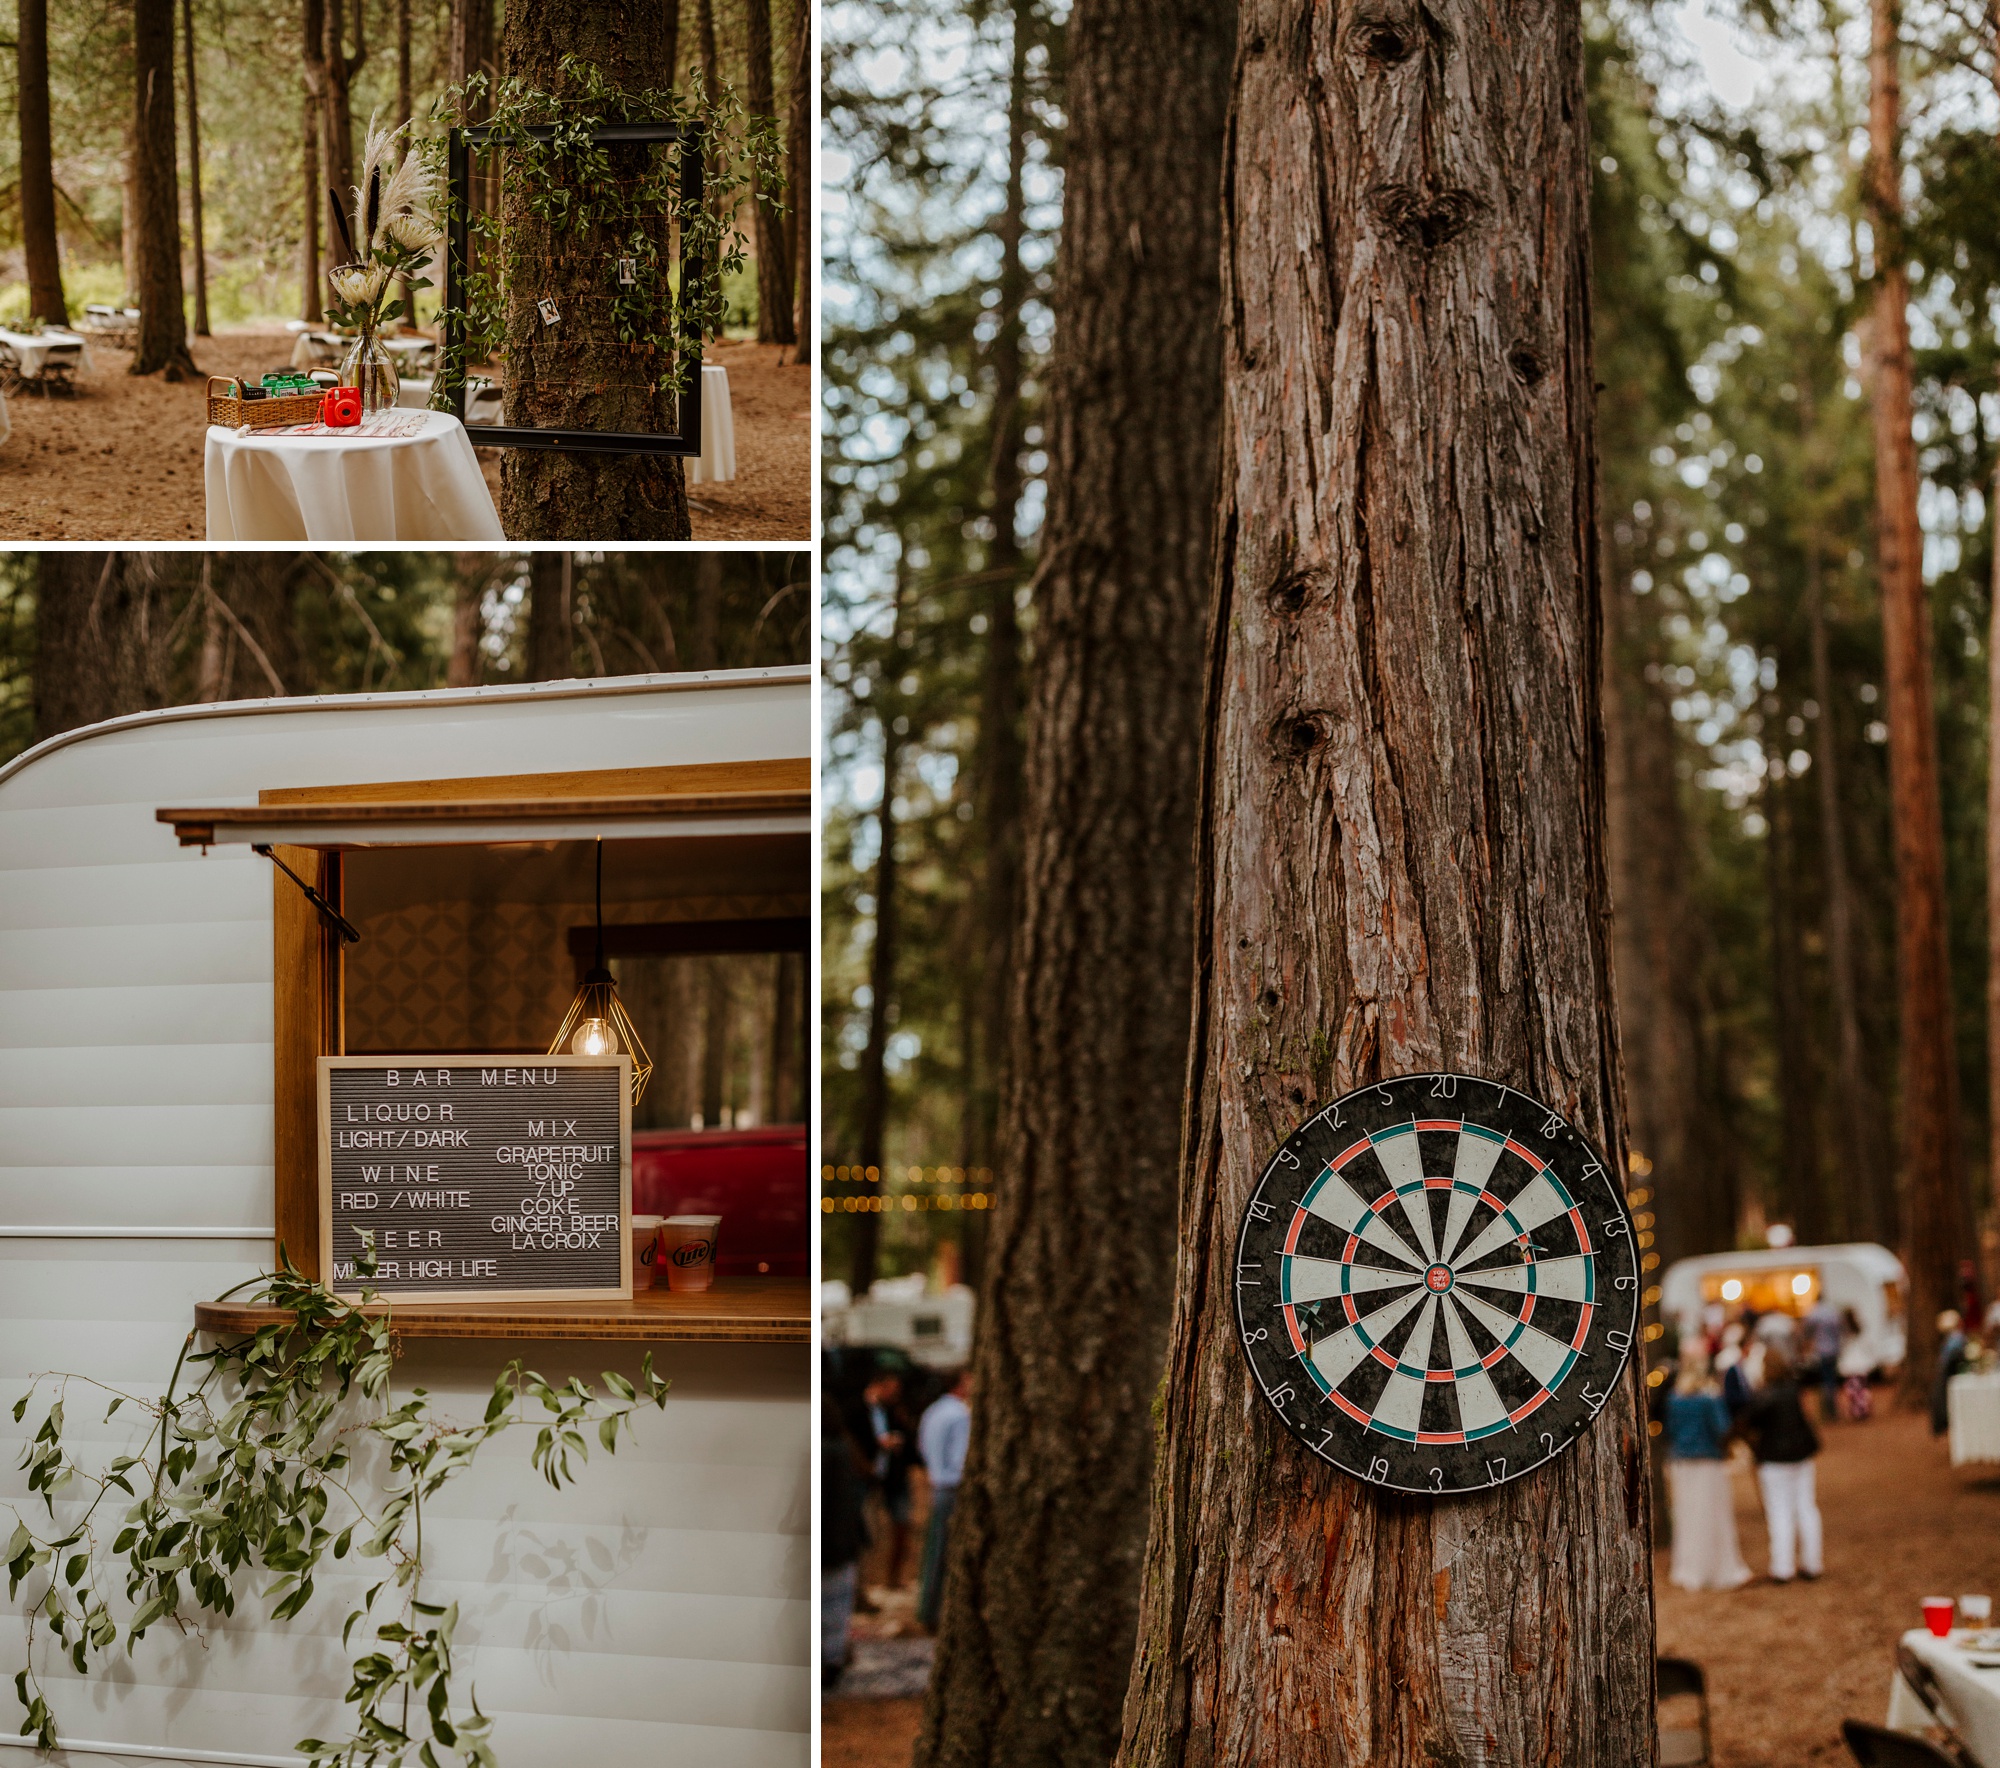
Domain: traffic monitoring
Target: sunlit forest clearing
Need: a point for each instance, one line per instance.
(195, 237)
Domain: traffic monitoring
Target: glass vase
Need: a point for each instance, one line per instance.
(371, 368)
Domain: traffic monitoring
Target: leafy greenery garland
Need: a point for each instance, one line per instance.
(241, 1472)
(569, 184)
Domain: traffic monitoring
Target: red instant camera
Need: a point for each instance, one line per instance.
(340, 408)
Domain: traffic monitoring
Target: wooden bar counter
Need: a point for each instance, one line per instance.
(735, 1310)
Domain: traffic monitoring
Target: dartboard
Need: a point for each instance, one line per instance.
(1437, 1284)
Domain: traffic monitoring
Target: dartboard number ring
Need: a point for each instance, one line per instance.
(1437, 1283)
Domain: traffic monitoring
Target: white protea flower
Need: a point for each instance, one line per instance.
(414, 233)
(358, 285)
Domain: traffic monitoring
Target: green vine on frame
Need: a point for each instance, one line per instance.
(568, 182)
(239, 1475)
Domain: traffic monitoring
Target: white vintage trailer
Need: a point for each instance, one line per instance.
(157, 1006)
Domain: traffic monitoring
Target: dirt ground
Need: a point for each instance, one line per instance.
(1785, 1662)
(123, 459)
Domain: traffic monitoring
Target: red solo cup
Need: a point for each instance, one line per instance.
(1937, 1615)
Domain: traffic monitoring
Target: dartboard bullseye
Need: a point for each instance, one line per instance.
(1437, 1283)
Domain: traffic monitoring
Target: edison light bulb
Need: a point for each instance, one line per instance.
(594, 1037)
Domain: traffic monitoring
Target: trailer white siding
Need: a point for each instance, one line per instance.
(656, 1612)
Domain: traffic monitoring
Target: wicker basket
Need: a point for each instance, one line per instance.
(234, 412)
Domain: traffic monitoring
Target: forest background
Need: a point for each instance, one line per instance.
(267, 83)
(1752, 862)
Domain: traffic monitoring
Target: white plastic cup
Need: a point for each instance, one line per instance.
(1976, 1611)
(645, 1250)
(687, 1250)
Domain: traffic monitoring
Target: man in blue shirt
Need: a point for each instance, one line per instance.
(942, 1435)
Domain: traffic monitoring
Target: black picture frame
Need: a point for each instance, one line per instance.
(458, 171)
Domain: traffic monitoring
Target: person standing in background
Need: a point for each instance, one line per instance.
(1784, 1442)
(942, 1435)
(1823, 1339)
(1953, 1347)
(1696, 1421)
(891, 1453)
(843, 1536)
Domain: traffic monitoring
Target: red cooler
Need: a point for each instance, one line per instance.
(757, 1181)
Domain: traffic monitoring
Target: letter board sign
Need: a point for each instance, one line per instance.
(482, 1178)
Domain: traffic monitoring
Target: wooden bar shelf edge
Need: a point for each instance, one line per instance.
(736, 1310)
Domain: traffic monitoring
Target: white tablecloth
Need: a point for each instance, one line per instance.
(717, 460)
(1971, 1693)
(34, 348)
(313, 349)
(338, 488)
(1974, 1405)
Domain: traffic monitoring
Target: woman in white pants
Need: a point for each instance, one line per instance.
(1784, 1442)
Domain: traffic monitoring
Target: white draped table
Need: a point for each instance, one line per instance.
(1968, 1683)
(1973, 1402)
(717, 460)
(349, 488)
(35, 348)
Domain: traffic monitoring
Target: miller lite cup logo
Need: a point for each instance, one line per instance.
(687, 1244)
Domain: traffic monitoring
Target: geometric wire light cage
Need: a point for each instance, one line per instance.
(597, 1023)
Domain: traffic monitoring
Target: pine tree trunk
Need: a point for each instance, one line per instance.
(774, 258)
(1798, 1102)
(467, 629)
(551, 623)
(998, 758)
(1400, 867)
(711, 55)
(1993, 864)
(670, 29)
(798, 179)
(96, 615)
(162, 344)
(128, 213)
(407, 295)
(1659, 943)
(1041, 1597)
(881, 1010)
(575, 375)
(310, 307)
(1937, 1215)
(197, 237)
(1866, 1207)
(38, 181)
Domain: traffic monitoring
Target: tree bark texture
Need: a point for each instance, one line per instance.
(1041, 1595)
(774, 255)
(575, 374)
(162, 341)
(1993, 860)
(38, 180)
(467, 622)
(196, 237)
(100, 624)
(1937, 1213)
(798, 179)
(1400, 867)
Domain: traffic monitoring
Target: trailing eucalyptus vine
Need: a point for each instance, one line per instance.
(249, 1470)
(577, 186)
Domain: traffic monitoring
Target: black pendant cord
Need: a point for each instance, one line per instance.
(600, 902)
(348, 931)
